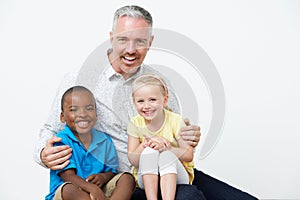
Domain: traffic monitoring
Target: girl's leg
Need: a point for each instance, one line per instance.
(172, 173)
(151, 186)
(148, 172)
(168, 186)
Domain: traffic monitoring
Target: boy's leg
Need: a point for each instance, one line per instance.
(120, 187)
(68, 191)
(215, 189)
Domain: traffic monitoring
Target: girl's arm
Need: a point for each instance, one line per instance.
(184, 152)
(135, 149)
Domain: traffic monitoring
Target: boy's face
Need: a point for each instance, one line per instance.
(79, 111)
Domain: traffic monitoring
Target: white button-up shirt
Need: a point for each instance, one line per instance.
(114, 105)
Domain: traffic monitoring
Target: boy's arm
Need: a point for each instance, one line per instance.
(69, 175)
(100, 179)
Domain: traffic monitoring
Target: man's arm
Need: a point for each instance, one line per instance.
(55, 157)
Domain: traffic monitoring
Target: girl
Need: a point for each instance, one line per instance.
(160, 158)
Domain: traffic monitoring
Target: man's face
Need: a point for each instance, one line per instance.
(130, 42)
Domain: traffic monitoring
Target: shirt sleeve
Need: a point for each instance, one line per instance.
(71, 165)
(132, 129)
(53, 124)
(179, 123)
(111, 162)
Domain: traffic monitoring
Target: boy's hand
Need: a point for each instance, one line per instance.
(96, 179)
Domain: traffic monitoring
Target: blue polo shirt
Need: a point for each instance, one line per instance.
(101, 156)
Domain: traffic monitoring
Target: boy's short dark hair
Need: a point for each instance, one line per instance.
(70, 90)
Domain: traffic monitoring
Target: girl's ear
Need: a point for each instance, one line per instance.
(166, 99)
(62, 117)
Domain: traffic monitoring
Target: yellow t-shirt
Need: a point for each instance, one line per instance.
(169, 130)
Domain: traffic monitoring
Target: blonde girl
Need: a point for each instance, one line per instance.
(160, 158)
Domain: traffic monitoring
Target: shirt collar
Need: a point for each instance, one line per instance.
(70, 134)
(98, 137)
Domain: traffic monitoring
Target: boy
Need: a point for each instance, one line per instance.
(94, 162)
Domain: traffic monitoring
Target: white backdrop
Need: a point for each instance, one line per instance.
(254, 45)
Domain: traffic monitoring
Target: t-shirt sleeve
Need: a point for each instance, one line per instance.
(132, 128)
(179, 123)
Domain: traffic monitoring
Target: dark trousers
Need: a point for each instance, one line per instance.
(214, 189)
(204, 187)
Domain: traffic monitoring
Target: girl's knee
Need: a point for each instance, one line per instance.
(167, 156)
(149, 150)
(167, 163)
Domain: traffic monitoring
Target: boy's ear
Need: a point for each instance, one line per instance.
(62, 117)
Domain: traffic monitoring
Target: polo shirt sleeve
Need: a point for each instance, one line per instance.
(111, 162)
(71, 165)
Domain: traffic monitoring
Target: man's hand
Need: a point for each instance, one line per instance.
(190, 133)
(56, 158)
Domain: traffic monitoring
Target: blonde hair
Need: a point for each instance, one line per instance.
(149, 79)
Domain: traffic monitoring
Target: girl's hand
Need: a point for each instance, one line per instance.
(157, 143)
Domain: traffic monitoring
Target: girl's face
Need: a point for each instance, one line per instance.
(150, 102)
(79, 111)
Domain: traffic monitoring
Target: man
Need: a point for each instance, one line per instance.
(130, 38)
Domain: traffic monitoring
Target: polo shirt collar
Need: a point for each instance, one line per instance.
(97, 137)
